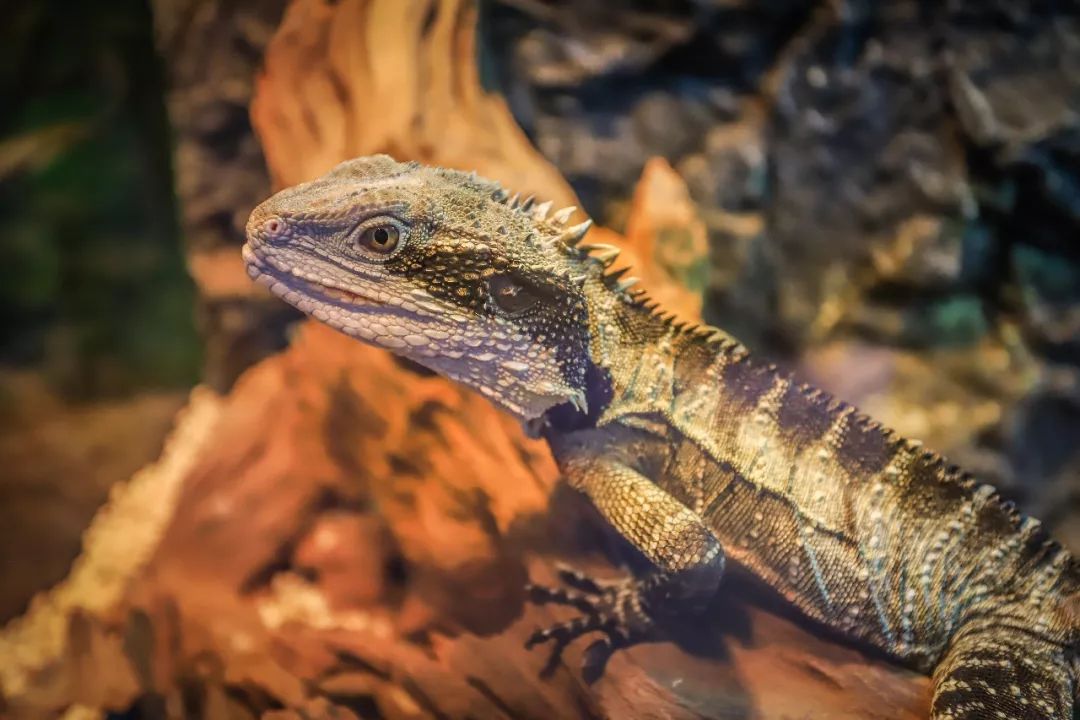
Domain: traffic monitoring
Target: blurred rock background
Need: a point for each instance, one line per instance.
(891, 192)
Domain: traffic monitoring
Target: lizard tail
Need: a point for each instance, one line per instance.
(1000, 671)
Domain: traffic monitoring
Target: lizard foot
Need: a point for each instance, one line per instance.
(615, 608)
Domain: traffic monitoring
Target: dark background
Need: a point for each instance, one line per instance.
(892, 192)
(99, 339)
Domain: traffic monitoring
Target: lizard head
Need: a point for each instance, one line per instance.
(439, 266)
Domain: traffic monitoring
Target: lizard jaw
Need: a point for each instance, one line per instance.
(283, 284)
(363, 317)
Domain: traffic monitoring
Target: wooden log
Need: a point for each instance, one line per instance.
(211, 51)
(342, 536)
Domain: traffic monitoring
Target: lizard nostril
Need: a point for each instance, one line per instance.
(273, 226)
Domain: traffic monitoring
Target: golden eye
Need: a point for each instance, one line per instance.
(380, 238)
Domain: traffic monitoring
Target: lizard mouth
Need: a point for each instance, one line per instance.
(294, 289)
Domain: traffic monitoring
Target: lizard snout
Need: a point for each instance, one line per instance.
(265, 226)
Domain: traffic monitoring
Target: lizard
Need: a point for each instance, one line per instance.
(694, 450)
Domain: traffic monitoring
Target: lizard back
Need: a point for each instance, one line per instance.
(861, 529)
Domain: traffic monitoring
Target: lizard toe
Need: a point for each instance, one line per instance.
(565, 632)
(561, 635)
(614, 609)
(578, 580)
(544, 595)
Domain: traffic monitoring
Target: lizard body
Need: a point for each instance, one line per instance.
(693, 450)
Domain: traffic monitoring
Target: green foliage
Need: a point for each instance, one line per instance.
(92, 283)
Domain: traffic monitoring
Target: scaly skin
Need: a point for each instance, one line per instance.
(694, 451)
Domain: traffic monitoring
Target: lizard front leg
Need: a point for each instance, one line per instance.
(687, 565)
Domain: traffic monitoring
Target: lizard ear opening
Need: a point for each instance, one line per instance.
(511, 297)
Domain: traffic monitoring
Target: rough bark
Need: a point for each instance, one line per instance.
(341, 536)
(212, 51)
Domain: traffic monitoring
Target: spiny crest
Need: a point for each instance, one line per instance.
(600, 252)
(567, 236)
(621, 286)
(541, 213)
(604, 256)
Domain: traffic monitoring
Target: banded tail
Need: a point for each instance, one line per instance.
(1001, 670)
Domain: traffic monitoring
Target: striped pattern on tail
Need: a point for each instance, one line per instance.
(1006, 673)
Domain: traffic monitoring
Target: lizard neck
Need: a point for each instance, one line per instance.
(631, 366)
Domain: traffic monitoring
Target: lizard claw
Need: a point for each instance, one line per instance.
(561, 635)
(611, 607)
(596, 657)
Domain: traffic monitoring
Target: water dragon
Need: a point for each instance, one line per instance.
(695, 451)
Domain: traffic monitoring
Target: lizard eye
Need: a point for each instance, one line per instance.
(509, 296)
(382, 239)
(379, 238)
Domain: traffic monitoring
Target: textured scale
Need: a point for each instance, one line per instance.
(693, 450)
(889, 543)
